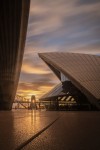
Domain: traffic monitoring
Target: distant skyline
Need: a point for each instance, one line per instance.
(61, 25)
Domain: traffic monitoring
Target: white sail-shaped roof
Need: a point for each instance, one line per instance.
(83, 70)
(54, 92)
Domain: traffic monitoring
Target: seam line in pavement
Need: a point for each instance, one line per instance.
(36, 135)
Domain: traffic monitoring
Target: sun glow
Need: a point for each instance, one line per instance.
(29, 92)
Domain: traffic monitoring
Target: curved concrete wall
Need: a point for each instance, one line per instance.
(13, 26)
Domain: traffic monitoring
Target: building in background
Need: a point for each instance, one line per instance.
(79, 74)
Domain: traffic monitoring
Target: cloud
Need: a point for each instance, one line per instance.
(61, 25)
(26, 68)
(87, 2)
(54, 23)
(34, 88)
(39, 78)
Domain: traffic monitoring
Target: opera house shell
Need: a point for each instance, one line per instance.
(13, 26)
(79, 74)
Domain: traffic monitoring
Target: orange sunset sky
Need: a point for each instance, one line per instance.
(60, 25)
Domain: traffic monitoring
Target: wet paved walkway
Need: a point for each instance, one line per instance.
(47, 130)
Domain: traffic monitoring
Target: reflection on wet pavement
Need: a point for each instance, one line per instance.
(18, 126)
(72, 131)
(60, 130)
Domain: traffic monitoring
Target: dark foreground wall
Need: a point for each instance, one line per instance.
(13, 27)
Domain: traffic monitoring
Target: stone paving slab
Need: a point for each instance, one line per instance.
(18, 126)
(72, 131)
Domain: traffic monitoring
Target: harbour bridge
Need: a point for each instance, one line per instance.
(23, 102)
